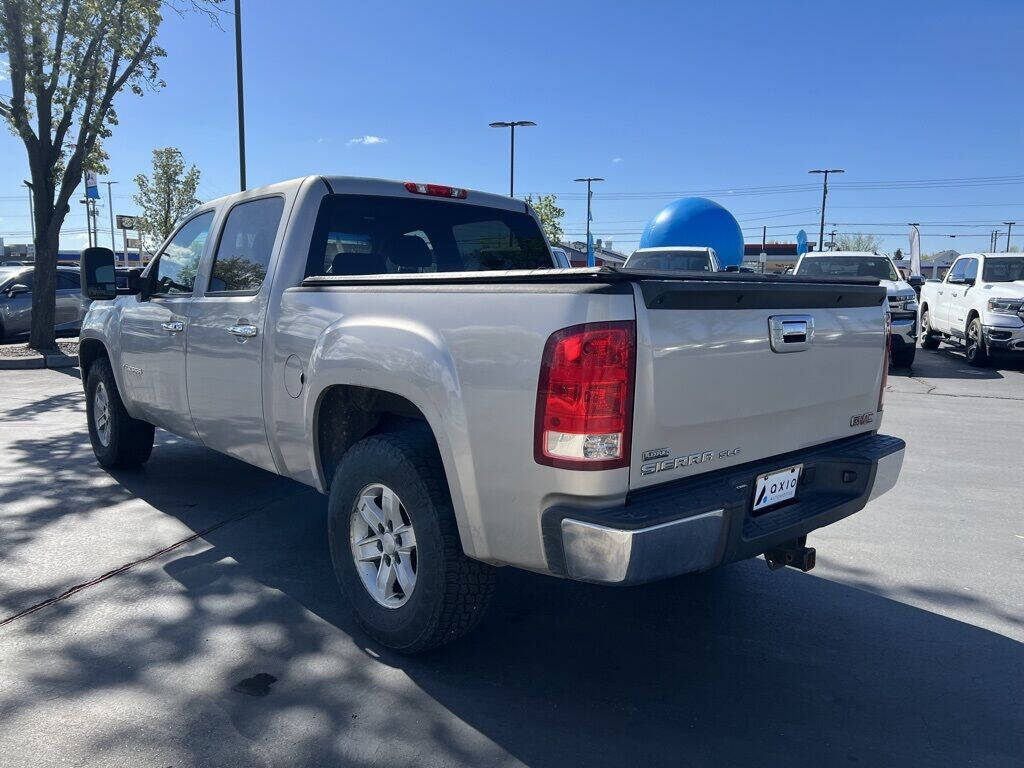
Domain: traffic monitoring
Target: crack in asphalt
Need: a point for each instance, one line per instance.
(74, 590)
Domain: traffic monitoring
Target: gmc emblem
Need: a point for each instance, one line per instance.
(860, 419)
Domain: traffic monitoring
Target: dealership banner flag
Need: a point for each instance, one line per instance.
(92, 186)
(915, 250)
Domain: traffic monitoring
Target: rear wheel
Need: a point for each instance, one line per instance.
(977, 354)
(117, 439)
(929, 339)
(396, 548)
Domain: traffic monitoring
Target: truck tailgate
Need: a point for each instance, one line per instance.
(713, 390)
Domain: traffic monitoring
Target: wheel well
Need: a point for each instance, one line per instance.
(89, 351)
(346, 414)
(970, 316)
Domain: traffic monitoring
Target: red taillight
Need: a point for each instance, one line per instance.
(436, 190)
(885, 359)
(585, 397)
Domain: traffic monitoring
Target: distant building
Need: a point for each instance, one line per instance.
(780, 256)
(603, 253)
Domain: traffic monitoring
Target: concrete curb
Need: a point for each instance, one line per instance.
(22, 363)
(37, 361)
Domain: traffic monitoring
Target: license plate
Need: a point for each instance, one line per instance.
(773, 488)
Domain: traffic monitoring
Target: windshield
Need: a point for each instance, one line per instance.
(367, 235)
(877, 267)
(667, 260)
(1004, 269)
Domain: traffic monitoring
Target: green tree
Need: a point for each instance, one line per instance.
(550, 215)
(166, 197)
(858, 241)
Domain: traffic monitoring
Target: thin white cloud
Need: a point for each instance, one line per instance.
(616, 159)
(320, 140)
(366, 140)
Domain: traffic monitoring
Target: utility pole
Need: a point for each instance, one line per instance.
(511, 125)
(241, 100)
(110, 205)
(1009, 228)
(992, 241)
(824, 195)
(590, 248)
(88, 219)
(31, 210)
(832, 243)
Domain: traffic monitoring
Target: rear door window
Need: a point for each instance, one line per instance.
(374, 235)
(246, 241)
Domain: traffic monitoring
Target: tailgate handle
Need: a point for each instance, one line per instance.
(790, 333)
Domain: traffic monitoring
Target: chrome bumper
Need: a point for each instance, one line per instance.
(1003, 339)
(618, 546)
(904, 329)
(599, 553)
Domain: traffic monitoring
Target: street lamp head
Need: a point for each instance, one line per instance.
(512, 123)
(827, 170)
(27, 183)
(590, 178)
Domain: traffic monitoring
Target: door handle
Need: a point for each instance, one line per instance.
(173, 326)
(243, 331)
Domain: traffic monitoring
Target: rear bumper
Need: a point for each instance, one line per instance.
(704, 521)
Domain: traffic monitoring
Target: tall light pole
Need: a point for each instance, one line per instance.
(241, 100)
(110, 205)
(1009, 228)
(511, 125)
(590, 248)
(824, 194)
(31, 210)
(88, 218)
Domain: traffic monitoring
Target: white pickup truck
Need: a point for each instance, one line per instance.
(410, 350)
(979, 304)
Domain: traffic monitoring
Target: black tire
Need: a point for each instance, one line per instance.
(974, 344)
(903, 357)
(129, 441)
(451, 590)
(928, 338)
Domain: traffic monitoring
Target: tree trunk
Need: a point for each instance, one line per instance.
(44, 292)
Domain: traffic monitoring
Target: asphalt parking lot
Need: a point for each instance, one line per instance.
(186, 615)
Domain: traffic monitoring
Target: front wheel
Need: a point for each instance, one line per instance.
(929, 339)
(395, 545)
(977, 354)
(117, 439)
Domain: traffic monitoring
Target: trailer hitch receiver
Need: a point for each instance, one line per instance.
(793, 553)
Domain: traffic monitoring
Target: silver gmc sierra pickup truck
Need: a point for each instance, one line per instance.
(409, 350)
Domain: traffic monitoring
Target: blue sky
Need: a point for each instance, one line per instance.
(659, 98)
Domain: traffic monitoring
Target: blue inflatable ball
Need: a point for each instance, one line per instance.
(696, 221)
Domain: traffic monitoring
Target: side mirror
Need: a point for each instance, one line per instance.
(17, 289)
(99, 280)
